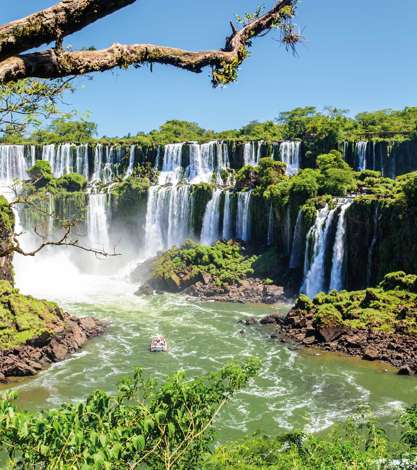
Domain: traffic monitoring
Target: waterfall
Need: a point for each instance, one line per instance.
(167, 217)
(251, 154)
(106, 160)
(360, 151)
(97, 224)
(32, 155)
(243, 218)
(318, 235)
(211, 220)
(337, 273)
(227, 218)
(297, 243)
(82, 160)
(290, 154)
(171, 164)
(270, 232)
(59, 157)
(129, 170)
(12, 164)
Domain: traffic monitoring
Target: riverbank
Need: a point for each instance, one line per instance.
(375, 324)
(35, 333)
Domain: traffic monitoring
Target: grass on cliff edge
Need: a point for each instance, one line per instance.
(23, 317)
(390, 307)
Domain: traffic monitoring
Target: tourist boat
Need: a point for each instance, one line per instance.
(158, 344)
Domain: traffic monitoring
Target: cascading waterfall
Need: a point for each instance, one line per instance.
(227, 217)
(97, 223)
(337, 272)
(296, 257)
(211, 222)
(360, 151)
(316, 244)
(59, 157)
(171, 164)
(82, 160)
(290, 154)
(167, 217)
(12, 164)
(129, 170)
(243, 218)
(251, 154)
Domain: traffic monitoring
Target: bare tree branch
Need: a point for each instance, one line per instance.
(64, 240)
(55, 63)
(52, 24)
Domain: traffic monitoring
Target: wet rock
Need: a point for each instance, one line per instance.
(330, 333)
(64, 338)
(249, 321)
(405, 370)
(309, 340)
(371, 353)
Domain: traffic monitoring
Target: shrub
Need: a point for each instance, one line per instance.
(72, 182)
(41, 174)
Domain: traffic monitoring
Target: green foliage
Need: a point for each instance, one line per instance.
(358, 443)
(41, 174)
(390, 307)
(409, 186)
(268, 173)
(225, 261)
(64, 129)
(72, 182)
(23, 317)
(142, 177)
(145, 425)
(304, 186)
(26, 103)
(6, 215)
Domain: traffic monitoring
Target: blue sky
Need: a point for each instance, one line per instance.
(359, 55)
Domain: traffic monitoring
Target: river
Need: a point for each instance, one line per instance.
(296, 389)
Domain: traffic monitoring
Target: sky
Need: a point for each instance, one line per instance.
(358, 55)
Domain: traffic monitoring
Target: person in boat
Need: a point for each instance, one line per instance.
(158, 344)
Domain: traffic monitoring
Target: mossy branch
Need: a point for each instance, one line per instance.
(224, 62)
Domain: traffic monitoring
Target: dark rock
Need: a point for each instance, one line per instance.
(330, 333)
(371, 353)
(249, 321)
(405, 370)
(65, 338)
(308, 340)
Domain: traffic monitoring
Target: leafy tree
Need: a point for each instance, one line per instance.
(66, 130)
(146, 424)
(41, 174)
(26, 103)
(179, 131)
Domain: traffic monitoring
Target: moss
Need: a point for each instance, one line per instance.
(72, 182)
(225, 262)
(390, 307)
(23, 317)
(6, 215)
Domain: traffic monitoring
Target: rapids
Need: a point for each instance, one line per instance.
(296, 388)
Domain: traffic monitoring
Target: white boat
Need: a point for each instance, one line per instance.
(158, 344)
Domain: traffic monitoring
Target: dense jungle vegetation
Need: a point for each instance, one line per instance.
(171, 425)
(319, 129)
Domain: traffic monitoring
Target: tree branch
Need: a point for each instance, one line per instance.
(51, 24)
(65, 240)
(225, 62)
